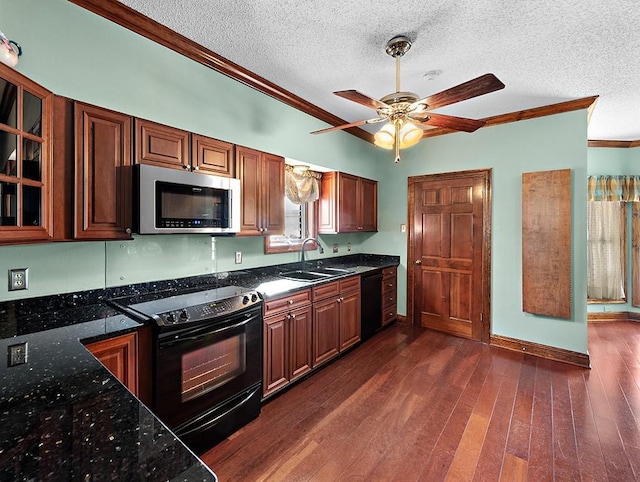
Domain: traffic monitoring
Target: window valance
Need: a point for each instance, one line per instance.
(613, 188)
(301, 185)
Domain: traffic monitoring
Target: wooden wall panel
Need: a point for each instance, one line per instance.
(546, 243)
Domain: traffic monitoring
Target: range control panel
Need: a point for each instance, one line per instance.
(209, 310)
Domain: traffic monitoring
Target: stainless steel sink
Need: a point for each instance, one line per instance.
(331, 271)
(304, 275)
(314, 274)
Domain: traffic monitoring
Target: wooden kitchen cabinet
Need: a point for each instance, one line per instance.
(350, 326)
(211, 156)
(161, 146)
(120, 356)
(336, 318)
(103, 173)
(347, 204)
(389, 295)
(262, 178)
(287, 340)
(26, 164)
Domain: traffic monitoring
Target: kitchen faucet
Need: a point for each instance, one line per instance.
(305, 241)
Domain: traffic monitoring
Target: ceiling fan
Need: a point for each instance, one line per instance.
(405, 111)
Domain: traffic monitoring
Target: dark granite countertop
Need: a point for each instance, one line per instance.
(65, 417)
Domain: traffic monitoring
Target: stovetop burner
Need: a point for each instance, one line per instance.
(168, 310)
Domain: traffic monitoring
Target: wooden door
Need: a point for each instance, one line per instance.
(161, 145)
(103, 174)
(449, 248)
(272, 194)
(300, 347)
(348, 203)
(350, 326)
(326, 330)
(368, 205)
(248, 167)
(211, 156)
(120, 356)
(275, 357)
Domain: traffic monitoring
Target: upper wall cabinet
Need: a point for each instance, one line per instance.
(162, 146)
(165, 146)
(262, 178)
(103, 174)
(25, 159)
(348, 204)
(212, 156)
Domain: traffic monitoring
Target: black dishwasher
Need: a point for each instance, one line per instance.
(371, 307)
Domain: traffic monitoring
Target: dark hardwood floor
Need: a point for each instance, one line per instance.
(414, 404)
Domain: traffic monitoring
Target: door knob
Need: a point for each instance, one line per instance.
(417, 261)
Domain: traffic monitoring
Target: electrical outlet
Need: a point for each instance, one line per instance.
(348, 246)
(238, 257)
(17, 354)
(335, 248)
(18, 279)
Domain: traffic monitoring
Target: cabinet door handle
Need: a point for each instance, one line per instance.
(127, 230)
(197, 168)
(417, 261)
(185, 166)
(290, 302)
(293, 316)
(288, 317)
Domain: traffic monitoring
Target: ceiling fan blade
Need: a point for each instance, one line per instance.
(360, 98)
(452, 122)
(473, 88)
(353, 124)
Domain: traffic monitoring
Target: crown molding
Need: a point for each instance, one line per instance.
(623, 144)
(136, 22)
(568, 106)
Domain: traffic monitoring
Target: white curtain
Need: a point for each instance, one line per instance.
(301, 187)
(604, 250)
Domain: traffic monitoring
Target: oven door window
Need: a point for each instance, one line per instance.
(180, 205)
(210, 367)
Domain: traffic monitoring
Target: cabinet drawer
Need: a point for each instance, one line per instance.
(348, 284)
(291, 301)
(389, 273)
(389, 284)
(326, 290)
(389, 313)
(389, 298)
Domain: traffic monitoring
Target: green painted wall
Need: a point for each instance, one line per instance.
(77, 54)
(615, 161)
(548, 143)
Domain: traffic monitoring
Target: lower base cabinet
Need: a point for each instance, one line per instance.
(287, 340)
(336, 318)
(300, 335)
(389, 295)
(120, 356)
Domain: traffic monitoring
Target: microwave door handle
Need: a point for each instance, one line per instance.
(179, 338)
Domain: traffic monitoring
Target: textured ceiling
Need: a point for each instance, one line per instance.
(545, 51)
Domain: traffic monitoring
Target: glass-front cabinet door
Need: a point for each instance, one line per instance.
(25, 160)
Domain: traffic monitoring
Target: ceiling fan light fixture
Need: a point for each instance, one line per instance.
(385, 136)
(410, 135)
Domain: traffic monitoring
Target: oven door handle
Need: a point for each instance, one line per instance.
(180, 338)
(213, 421)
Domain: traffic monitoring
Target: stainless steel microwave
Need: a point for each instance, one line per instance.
(172, 201)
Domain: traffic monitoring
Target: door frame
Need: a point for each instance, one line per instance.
(486, 243)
